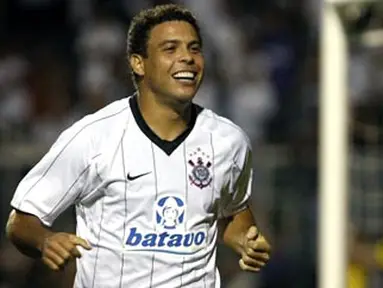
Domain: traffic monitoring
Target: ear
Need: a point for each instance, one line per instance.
(137, 63)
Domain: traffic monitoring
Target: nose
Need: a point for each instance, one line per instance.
(186, 56)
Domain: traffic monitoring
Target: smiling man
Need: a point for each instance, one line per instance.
(156, 180)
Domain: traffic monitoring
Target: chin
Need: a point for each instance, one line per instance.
(184, 99)
(184, 96)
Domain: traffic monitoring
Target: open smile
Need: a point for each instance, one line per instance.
(186, 77)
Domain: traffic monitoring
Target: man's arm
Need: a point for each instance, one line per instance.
(235, 228)
(63, 176)
(33, 239)
(27, 233)
(240, 233)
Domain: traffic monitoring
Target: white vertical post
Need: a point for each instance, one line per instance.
(333, 152)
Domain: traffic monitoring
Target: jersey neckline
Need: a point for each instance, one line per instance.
(167, 146)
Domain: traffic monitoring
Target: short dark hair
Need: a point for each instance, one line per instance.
(146, 20)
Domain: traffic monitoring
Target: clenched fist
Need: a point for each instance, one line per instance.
(256, 251)
(59, 248)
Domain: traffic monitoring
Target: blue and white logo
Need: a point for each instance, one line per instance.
(170, 212)
(169, 235)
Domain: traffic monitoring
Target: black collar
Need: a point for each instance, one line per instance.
(167, 146)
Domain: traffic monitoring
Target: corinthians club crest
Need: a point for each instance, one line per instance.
(200, 174)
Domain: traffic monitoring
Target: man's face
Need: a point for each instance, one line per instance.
(170, 214)
(174, 65)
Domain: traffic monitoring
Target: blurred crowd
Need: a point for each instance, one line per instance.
(63, 59)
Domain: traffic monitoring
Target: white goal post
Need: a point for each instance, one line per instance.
(333, 152)
(333, 212)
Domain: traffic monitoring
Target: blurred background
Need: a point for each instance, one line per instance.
(63, 59)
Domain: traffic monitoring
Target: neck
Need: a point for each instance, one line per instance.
(166, 120)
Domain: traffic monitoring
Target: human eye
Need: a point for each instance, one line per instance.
(169, 48)
(195, 48)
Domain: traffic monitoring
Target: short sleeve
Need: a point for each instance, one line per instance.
(235, 196)
(61, 177)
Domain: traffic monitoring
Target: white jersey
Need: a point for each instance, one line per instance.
(148, 207)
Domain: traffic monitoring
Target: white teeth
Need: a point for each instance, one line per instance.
(187, 75)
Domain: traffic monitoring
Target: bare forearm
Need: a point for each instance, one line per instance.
(243, 237)
(236, 228)
(27, 233)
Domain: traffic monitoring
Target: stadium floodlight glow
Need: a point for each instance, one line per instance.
(360, 17)
(335, 2)
(372, 39)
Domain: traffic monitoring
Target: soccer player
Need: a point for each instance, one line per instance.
(152, 176)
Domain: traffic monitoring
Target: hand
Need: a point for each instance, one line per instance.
(59, 248)
(256, 251)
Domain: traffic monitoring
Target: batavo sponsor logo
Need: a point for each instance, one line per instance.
(168, 237)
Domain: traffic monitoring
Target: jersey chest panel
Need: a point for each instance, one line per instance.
(169, 202)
